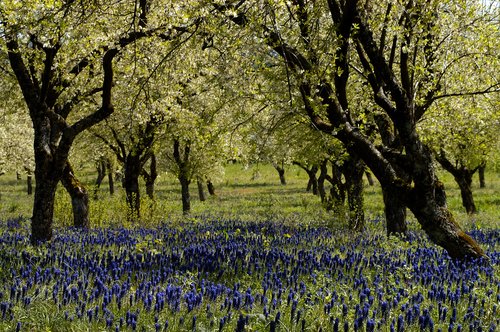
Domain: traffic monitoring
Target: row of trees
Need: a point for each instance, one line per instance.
(336, 87)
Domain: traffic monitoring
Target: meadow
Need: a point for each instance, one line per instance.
(257, 257)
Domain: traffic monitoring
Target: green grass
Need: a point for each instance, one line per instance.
(249, 193)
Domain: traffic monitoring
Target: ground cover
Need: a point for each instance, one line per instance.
(257, 257)
(228, 275)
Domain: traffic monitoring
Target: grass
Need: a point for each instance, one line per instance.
(250, 193)
(257, 257)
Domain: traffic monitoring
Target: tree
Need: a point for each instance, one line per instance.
(463, 139)
(398, 89)
(54, 50)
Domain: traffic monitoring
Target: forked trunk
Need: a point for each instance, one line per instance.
(79, 197)
(201, 190)
(354, 169)
(395, 213)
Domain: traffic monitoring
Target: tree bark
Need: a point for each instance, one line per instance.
(353, 170)
(150, 178)
(101, 173)
(186, 199)
(29, 183)
(464, 182)
(323, 173)
(79, 197)
(369, 177)
(281, 172)
(395, 212)
(201, 190)
(111, 179)
(463, 177)
(43, 207)
(131, 184)
(184, 172)
(211, 188)
(482, 181)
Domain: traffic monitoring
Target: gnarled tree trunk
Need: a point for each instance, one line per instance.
(79, 197)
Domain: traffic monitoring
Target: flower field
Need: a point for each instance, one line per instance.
(225, 275)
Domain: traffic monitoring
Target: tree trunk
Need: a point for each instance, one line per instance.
(29, 182)
(43, 207)
(186, 199)
(482, 181)
(150, 178)
(111, 181)
(211, 188)
(369, 177)
(182, 160)
(131, 183)
(437, 221)
(463, 177)
(201, 190)
(79, 197)
(313, 181)
(281, 172)
(101, 173)
(338, 190)
(395, 213)
(321, 180)
(353, 170)
(464, 181)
